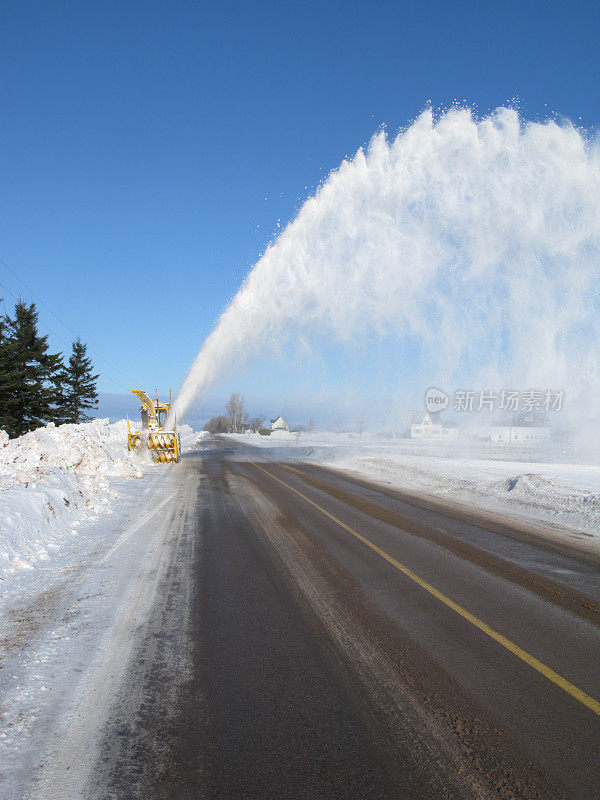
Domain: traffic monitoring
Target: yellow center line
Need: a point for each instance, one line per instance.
(533, 662)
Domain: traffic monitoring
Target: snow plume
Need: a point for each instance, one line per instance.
(475, 242)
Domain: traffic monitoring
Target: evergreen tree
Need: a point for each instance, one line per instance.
(33, 372)
(9, 382)
(79, 393)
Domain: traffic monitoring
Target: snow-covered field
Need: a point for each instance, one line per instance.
(539, 483)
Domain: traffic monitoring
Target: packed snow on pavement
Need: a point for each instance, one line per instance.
(539, 483)
(82, 540)
(53, 480)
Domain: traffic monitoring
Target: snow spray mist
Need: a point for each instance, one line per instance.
(477, 238)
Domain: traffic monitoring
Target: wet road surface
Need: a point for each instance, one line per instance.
(317, 636)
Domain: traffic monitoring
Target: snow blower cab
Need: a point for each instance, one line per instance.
(164, 445)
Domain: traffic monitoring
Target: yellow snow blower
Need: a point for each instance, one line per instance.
(164, 445)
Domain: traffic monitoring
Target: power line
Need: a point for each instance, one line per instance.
(67, 326)
(49, 329)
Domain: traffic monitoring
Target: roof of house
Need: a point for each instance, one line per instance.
(418, 417)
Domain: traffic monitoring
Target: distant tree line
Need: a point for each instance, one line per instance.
(235, 419)
(36, 386)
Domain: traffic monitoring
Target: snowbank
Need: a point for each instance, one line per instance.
(567, 495)
(54, 478)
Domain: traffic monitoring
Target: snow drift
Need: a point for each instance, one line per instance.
(53, 479)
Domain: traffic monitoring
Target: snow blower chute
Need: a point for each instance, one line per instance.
(164, 445)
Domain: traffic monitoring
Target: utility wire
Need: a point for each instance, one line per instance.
(67, 326)
(48, 328)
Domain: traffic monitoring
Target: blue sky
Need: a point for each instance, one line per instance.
(149, 149)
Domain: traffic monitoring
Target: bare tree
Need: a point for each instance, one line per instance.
(256, 422)
(218, 424)
(235, 411)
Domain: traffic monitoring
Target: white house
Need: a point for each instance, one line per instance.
(279, 424)
(430, 426)
(521, 433)
(527, 426)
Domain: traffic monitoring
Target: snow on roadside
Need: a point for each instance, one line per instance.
(566, 495)
(518, 481)
(54, 479)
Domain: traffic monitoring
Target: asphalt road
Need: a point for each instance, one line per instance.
(317, 636)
